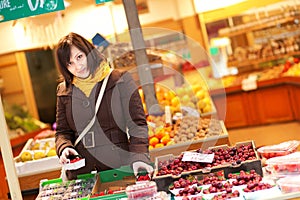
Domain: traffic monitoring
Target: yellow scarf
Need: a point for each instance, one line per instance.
(86, 85)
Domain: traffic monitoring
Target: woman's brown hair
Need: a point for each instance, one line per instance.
(63, 51)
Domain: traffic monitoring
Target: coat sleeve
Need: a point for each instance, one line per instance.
(64, 135)
(135, 119)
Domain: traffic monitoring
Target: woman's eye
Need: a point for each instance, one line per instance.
(79, 57)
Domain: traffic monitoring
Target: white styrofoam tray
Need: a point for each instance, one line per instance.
(36, 166)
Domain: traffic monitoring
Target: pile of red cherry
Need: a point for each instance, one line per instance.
(222, 156)
(225, 196)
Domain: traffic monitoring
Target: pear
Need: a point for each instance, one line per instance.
(36, 146)
(26, 156)
(38, 155)
(51, 152)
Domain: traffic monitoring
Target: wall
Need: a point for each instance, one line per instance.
(83, 17)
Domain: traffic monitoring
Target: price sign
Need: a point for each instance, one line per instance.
(250, 83)
(190, 111)
(15, 9)
(198, 157)
(102, 1)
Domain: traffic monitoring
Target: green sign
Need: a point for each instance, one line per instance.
(15, 9)
(102, 1)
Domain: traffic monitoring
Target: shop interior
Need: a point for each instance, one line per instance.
(231, 68)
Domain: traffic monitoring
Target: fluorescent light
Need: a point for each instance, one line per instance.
(218, 42)
(208, 5)
(67, 4)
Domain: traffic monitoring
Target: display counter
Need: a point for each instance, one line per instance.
(273, 101)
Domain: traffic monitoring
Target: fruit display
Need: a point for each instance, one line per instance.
(141, 191)
(74, 189)
(110, 194)
(127, 59)
(245, 178)
(37, 149)
(284, 165)
(17, 118)
(160, 134)
(184, 129)
(193, 96)
(281, 149)
(223, 156)
(36, 155)
(292, 69)
(289, 184)
(194, 128)
(214, 186)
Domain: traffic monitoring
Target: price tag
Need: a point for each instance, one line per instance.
(190, 111)
(168, 115)
(198, 157)
(250, 83)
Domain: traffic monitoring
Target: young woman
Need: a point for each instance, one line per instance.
(119, 135)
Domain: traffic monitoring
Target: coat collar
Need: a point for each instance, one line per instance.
(115, 77)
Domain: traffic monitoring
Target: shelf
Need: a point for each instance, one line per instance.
(255, 63)
(252, 26)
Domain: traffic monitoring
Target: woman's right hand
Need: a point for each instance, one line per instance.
(65, 154)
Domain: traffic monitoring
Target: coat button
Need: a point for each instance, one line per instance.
(86, 103)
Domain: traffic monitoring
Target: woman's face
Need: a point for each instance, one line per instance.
(78, 63)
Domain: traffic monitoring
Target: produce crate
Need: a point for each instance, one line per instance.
(79, 189)
(163, 181)
(205, 143)
(116, 178)
(40, 165)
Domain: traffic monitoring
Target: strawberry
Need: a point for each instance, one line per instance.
(110, 192)
(101, 193)
(292, 167)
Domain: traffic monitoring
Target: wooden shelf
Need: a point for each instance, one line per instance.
(256, 26)
(256, 62)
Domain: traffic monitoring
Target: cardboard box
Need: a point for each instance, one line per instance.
(163, 181)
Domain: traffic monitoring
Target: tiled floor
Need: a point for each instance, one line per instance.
(266, 135)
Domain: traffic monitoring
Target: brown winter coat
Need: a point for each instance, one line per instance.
(113, 118)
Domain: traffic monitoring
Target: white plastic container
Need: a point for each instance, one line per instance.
(289, 184)
(141, 191)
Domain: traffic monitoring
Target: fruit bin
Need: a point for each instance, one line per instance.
(163, 181)
(79, 189)
(114, 180)
(280, 149)
(284, 165)
(203, 143)
(44, 164)
(289, 184)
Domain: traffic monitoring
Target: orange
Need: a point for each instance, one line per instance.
(150, 147)
(159, 145)
(175, 101)
(153, 141)
(160, 133)
(159, 97)
(165, 139)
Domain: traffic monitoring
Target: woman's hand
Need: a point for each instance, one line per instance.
(139, 164)
(65, 154)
